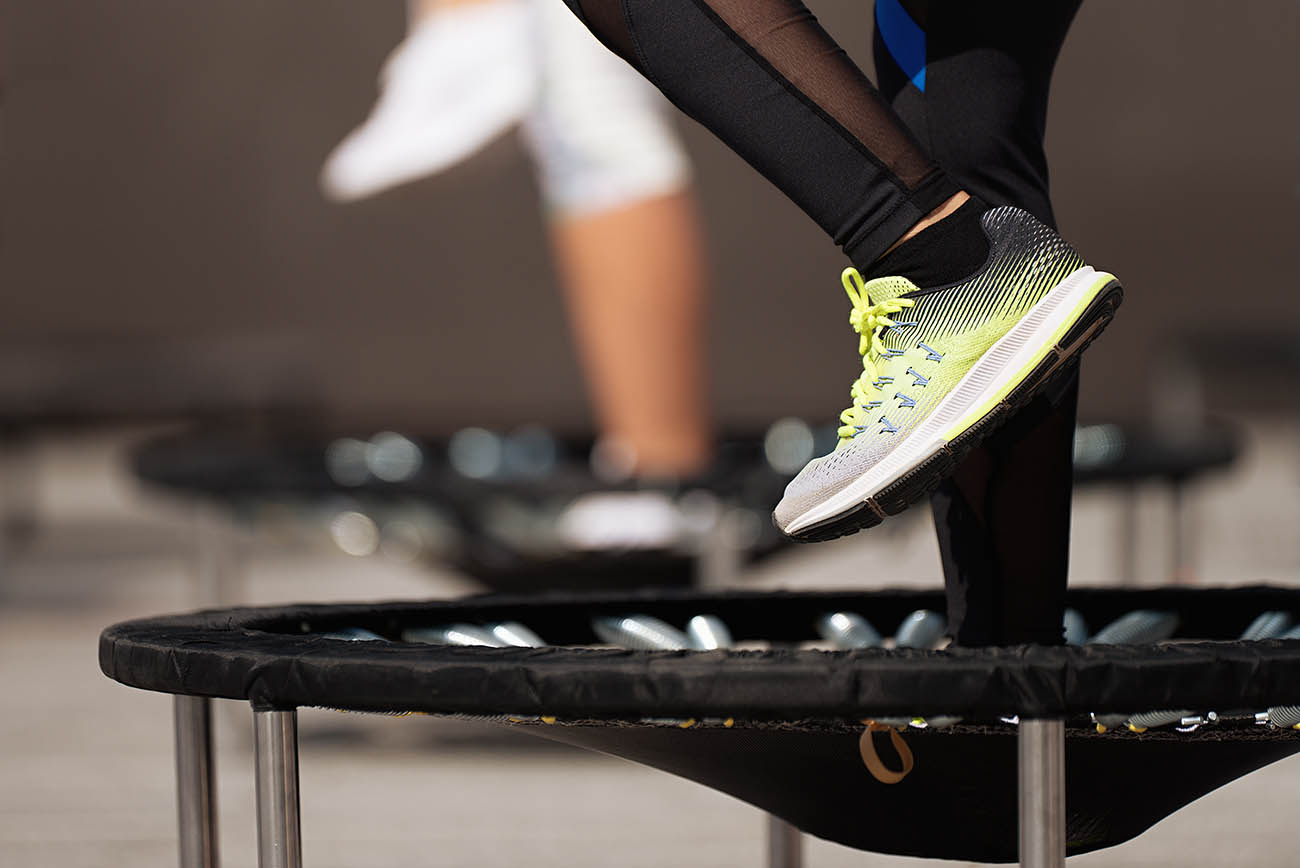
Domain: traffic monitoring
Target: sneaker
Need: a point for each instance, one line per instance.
(943, 366)
(460, 79)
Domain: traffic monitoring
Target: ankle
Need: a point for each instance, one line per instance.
(948, 208)
(947, 246)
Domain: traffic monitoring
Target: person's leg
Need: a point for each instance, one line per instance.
(765, 78)
(462, 76)
(616, 186)
(640, 336)
(1003, 519)
(960, 324)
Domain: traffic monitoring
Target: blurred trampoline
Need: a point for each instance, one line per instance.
(529, 509)
(792, 702)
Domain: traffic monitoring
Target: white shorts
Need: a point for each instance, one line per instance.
(601, 135)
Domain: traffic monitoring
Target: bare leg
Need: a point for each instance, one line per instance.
(418, 10)
(634, 282)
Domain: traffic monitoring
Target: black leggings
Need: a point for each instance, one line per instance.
(1003, 519)
(765, 78)
(963, 85)
(986, 74)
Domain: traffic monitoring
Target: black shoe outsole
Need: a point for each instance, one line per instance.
(921, 481)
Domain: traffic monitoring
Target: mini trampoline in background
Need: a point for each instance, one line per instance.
(518, 510)
(530, 509)
(875, 748)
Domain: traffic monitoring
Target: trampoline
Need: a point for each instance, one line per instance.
(986, 754)
(511, 509)
(501, 506)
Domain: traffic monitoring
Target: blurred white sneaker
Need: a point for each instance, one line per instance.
(458, 80)
(603, 520)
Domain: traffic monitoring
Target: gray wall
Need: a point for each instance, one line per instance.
(164, 241)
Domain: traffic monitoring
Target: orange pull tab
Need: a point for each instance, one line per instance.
(867, 747)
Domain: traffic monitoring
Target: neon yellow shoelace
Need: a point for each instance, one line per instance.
(867, 320)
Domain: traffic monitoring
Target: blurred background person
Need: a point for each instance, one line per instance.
(615, 183)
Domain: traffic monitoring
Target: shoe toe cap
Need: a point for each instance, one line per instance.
(810, 487)
(824, 478)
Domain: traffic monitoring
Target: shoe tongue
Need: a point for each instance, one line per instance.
(887, 288)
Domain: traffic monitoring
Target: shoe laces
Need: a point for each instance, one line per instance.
(869, 321)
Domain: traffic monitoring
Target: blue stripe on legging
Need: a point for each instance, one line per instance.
(904, 38)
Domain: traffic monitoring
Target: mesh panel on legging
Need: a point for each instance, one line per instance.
(770, 82)
(1003, 519)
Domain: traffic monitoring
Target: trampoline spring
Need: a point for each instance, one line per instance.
(1284, 716)
(639, 633)
(354, 634)
(1275, 625)
(847, 630)
(452, 634)
(1076, 628)
(679, 722)
(707, 633)
(1190, 724)
(494, 718)
(1267, 625)
(1107, 722)
(369, 712)
(921, 629)
(1138, 627)
(512, 634)
(1152, 719)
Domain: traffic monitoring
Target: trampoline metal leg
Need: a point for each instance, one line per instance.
(279, 835)
(1042, 793)
(196, 784)
(216, 557)
(718, 555)
(784, 844)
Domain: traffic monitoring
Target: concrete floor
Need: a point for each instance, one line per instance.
(86, 764)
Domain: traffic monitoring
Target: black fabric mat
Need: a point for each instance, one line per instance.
(275, 657)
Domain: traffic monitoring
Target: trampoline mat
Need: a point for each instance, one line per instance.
(959, 801)
(780, 728)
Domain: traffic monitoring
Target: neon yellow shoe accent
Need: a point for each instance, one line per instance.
(867, 320)
(941, 368)
(1102, 281)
